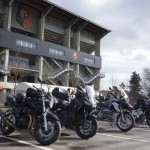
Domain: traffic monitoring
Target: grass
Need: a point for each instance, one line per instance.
(2, 106)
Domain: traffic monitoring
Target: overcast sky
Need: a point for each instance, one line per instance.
(127, 47)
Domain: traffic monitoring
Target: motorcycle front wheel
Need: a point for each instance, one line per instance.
(125, 124)
(87, 129)
(51, 135)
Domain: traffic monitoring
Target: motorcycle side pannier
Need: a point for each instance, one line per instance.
(60, 93)
(31, 93)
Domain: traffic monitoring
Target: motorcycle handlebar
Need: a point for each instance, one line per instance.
(38, 88)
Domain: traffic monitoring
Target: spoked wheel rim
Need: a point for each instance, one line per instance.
(50, 130)
(126, 122)
(86, 127)
(49, 136)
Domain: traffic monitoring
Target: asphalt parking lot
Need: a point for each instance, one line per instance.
(107, 138)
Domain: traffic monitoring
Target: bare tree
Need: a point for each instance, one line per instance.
(16, 73)
(113, 81)
(146, 80)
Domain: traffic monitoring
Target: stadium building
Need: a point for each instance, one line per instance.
(40, 38)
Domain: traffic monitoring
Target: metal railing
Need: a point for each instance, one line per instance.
(90, 78)
(59, 72)
(23, 66)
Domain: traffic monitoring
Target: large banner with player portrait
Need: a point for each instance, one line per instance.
(25, 18)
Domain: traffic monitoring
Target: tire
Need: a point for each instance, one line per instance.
(5, 128)
(46, 138)
(148, 121)
(89, 130)
(127, 124)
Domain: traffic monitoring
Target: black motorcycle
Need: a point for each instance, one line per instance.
(28, 114)
(141, 111)
(115, 109)
(75, 115)
(3, 73)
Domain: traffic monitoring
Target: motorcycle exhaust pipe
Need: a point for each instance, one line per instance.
(29, 129)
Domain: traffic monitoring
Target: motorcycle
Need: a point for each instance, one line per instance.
(75, 114)
(115, 109)
(3, 73)
(141, 111)
(29, 114)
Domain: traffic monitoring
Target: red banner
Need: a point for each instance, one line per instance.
(1, 88)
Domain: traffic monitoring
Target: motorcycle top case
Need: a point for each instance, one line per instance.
(60, 93)
(31, 93)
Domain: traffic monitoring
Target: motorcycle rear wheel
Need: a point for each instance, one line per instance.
(50, 136)
(5, 128)
(126, 124)
(88, 129)
(148, 121)
(140, 119)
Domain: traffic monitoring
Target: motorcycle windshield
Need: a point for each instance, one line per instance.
(90, 95)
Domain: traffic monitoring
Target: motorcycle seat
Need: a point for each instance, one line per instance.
(101, 104)
(10, 100)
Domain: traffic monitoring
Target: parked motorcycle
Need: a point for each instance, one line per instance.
(75, 115)
(28, 114)
(115, 109)
(141, 111)
(3, 73)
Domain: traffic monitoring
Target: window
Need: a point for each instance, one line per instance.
(26, 44)
(88, 60)
(56, 52)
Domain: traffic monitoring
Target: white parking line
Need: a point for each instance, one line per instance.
(121, 137)
(26, 143)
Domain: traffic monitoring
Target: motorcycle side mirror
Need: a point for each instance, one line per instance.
(40, 79)
(79, 88)
(115, 88)
(110, 88)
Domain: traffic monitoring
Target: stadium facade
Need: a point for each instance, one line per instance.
(40, 38)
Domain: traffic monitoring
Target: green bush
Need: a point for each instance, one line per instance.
(2, 106)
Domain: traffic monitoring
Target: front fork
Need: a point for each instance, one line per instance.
(44, 116)
(122, 114)
(85, 116)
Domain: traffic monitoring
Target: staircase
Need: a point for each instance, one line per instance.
(90, 78)
(58, 63)
(59, 72)
(89, 70)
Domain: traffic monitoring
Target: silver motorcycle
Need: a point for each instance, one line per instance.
(115, 109)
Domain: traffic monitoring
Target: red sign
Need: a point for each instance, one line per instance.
(1, 88)
(75, 56)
